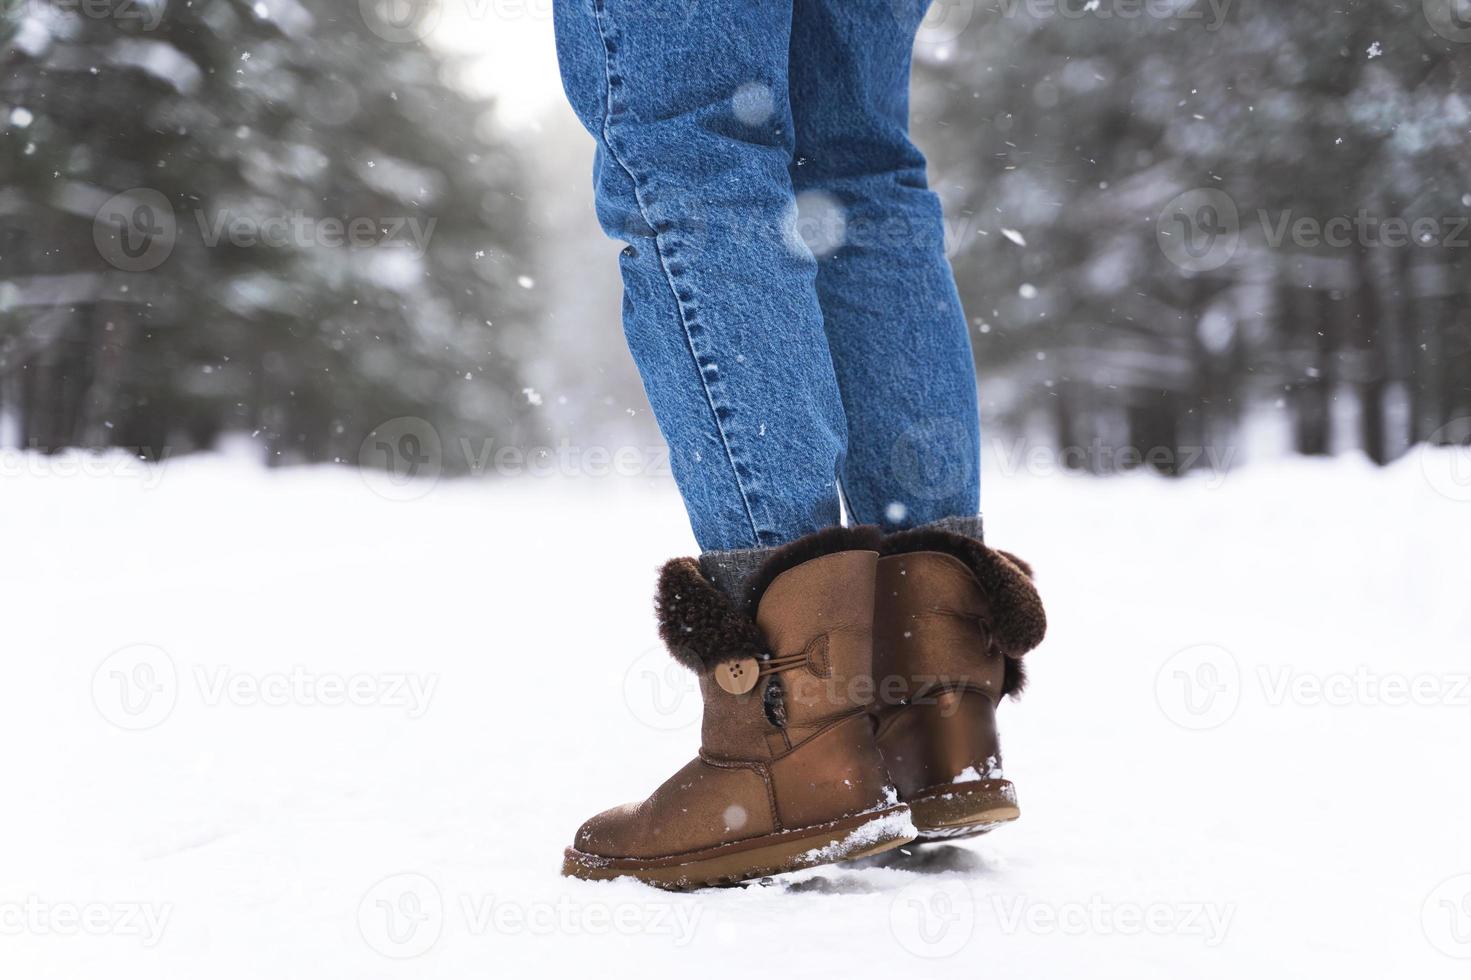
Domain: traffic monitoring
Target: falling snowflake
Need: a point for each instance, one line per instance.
(1028, 291)
(754, 103)
(532, 395)
(526, 282)
(1375, 50)
(1014, 236)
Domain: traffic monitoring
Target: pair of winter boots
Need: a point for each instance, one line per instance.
(849, 710)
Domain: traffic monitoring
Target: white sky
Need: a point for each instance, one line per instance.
(515, 49)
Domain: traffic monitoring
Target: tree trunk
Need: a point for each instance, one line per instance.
(1373, 347)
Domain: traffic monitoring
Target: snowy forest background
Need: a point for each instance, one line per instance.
(1240, 226)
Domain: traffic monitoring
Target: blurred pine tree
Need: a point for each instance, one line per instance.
(316, 233)
(1106, 135)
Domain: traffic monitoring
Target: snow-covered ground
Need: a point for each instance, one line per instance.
(276, 725)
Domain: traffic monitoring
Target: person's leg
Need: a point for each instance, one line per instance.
(898, 335)
(689, 105)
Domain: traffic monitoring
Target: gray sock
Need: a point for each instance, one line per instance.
(970, 527)
(731, 571)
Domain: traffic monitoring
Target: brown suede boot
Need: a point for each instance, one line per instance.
(952, 619)
(788, 775)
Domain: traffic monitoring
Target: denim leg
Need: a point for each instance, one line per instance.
(689, 103)
(898, 334)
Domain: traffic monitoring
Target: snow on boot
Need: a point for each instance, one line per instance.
(952, 619)
(788, 775)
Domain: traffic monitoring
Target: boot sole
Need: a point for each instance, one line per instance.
(964, 809)
(769, 854)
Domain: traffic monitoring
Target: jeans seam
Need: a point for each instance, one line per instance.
(599, 18)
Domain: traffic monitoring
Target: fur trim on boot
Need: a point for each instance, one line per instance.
(699, 625)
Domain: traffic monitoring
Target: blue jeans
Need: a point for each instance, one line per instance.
(786, 364)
